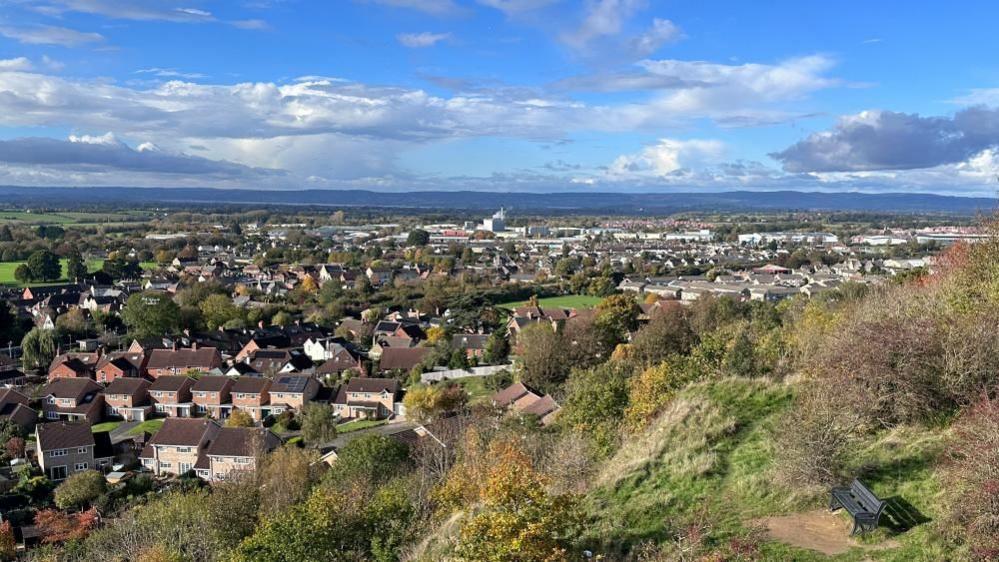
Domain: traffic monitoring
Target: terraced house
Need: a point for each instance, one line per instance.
(211, 396)
(128, 398)
(171, 395)
(163, 362)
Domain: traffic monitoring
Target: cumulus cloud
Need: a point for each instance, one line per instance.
(146, 10)
(602, 18)
(50, 35)
(886, 140)
(106, 153)
(666, 157)
(421, 40)
(662, 32)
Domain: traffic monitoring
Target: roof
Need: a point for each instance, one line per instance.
(469, 341)
(511, 393)
(205, 357)
(291, 383)
(183, 431)
(64, 435)
(126, 385)
(241, 441)
(76, 388)
(211, 384)
(250, 385)
(19, 413)
(402, 358)
(371, 384)
(541, 407)
(171, 383)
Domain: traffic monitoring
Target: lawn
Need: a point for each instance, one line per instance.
(70, 218)
(106, 426)
(148, 426)
(7, 271)
(358, 424)
(565, 301)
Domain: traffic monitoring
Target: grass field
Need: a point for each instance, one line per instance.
(150, 426)
(106, 426)
(566, 301)
(358, 424)
(7, 271)
(66, 219)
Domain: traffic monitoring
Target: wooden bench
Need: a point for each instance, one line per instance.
(861, 503)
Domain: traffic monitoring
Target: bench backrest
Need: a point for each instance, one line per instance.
(867, 497)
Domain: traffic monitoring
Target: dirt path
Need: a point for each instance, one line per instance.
(819, 530)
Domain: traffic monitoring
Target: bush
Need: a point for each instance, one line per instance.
(80, 489)
(813, 440)
(971, 480)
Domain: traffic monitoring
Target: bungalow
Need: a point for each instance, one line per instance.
(395, 359)
(171, 395)
(523, 399)
(64, 449)
(177, 446)
(128, 398)
(164, 362)
(73, 400)
(211, 396)
(365, 397)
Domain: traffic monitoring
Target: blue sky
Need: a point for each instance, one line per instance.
(511, 95)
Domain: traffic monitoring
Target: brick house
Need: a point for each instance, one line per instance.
(252, 395)
(176, 447)
(171, 395)
(292, 392)
(73, 365)
(128, 398)
(65, 448)
(234, 450)
(372, 398)
(117, 365)
(73, 399)
(212, 396)
(523, 399)
(473, 344)
(163, 362)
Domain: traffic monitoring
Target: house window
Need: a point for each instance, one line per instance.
(165, 465)
(183, 449)
(81, 466)
(59, 472)
(185, 466)
(81, 450)
(242, 460)
(52, 415)
(58, 453)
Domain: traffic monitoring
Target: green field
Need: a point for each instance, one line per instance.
(566, 301)
(69, 218)
(358, 424)
(150, 426)
(105, 426)
(7, 271)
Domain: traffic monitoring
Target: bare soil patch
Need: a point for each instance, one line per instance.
(819, 530)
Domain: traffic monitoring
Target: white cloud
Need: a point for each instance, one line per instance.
(171, 73)
(50, 35)
(252, 24)
(421, 40)
(602, 18)
(661, 32)
(433, 7)
(666, 157)
(517, 7)
(20, 63)
(144, 10)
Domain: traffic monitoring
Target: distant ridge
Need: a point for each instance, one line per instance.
(580, 202)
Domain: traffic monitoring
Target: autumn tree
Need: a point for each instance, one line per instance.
(8, 544)
(80, 489)
(217, 309)
(239, 418)
(540, 350)
(318, 423)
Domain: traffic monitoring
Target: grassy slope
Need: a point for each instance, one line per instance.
(7, 270)
(710, 457)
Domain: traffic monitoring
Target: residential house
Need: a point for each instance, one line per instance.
(177, 446)
(73, 365)
(292, 392)
(73, 399)
(14, 406)
(473, 344)
(171, 395)
(64, 449)
(234, 450)
(117, 365)
(366, 397)
(211, 396)
(196, 359)
(272, 362)
(523, 399)
(401, 359)
(252, 395)
(128, 398)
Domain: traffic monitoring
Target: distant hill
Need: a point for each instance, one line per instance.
(582, 202)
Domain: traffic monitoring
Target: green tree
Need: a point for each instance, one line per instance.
(80, 489)
(5, 234)
(497, 347)
(418, 237)
(595, 402)
(23, 274)
(44, 266)
(540, 350)
(318, 423)
(217, 309)
(38, 348)
(282, 318)
(368, 461)
(76, 270)
(151, 314)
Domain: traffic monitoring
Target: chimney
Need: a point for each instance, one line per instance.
(194, 345)
(260, 324)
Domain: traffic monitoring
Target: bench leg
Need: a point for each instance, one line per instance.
(856, 528)
(833, 503)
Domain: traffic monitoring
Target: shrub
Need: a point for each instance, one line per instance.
(814, 438)
(80, 489)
